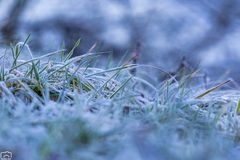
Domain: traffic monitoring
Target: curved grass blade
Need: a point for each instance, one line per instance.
(35, 59)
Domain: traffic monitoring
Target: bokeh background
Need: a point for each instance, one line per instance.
(205, 33)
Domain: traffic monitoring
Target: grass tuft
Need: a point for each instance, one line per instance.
(67, 108)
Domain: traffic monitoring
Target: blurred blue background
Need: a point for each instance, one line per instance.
(205, 33)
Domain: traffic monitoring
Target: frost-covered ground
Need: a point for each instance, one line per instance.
(55, 107)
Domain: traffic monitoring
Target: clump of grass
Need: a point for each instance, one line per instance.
(59, 78)
(68, 109)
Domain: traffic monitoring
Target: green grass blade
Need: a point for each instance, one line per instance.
(69, 55)
(212, 89)
(36, 75)
(25, 42)
(121, 87)
(115, 74)
(35, 59)
(238, 107)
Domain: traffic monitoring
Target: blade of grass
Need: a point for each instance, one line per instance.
(121, 87)
(36, 74)
(35, 59)
(212, 89)
(111, 70)
(238, 107)
(16, 53)
(123, 58)
(25, 42)
(2, 75)
(69, 55)
(115, 74)
(72, 60)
